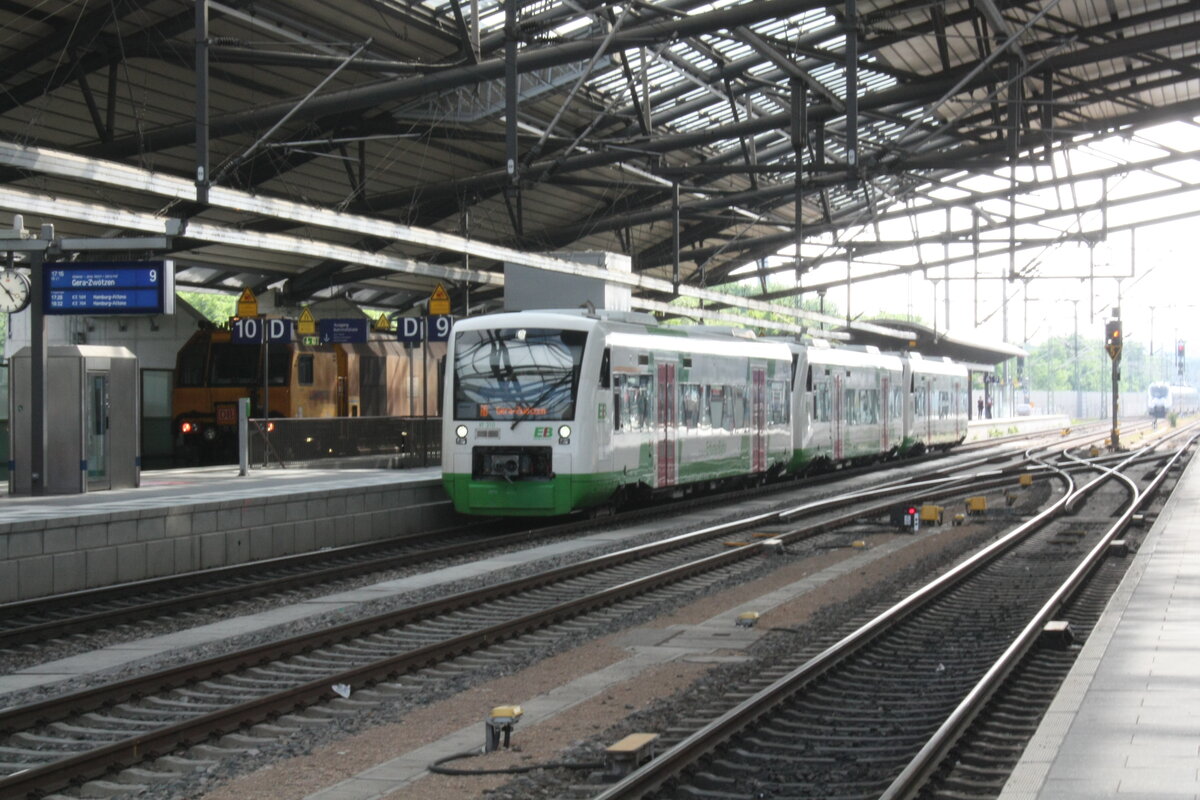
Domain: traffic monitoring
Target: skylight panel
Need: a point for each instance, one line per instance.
(1180, 136)
(1124, 151)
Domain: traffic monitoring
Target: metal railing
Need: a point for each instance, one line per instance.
(396, 442)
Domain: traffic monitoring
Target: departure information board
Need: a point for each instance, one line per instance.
(109, 287)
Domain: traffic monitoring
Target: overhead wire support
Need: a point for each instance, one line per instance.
(238, 160)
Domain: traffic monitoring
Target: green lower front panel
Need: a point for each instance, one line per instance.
(559, 495)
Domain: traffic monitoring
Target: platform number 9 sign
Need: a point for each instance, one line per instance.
(438, 327)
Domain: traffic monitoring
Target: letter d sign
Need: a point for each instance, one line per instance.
(409, 330)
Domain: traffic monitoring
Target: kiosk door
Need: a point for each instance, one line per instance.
(96, 447)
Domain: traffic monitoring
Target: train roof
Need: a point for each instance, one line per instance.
(634, 329)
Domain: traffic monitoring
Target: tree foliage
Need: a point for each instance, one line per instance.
(1051, 366)
(217, 308)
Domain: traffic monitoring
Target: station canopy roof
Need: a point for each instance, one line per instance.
(376, 148)
(975, 352)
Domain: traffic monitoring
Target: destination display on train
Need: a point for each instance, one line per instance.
(109, 287)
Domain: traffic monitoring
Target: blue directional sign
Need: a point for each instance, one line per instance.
(249, 330)
(109, 287)
(342, 331)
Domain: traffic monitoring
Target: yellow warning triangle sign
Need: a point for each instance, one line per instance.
(382, 324)
(439, 301)
(247, 304)
(306, 325)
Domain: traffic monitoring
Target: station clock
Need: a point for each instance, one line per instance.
(14, 291)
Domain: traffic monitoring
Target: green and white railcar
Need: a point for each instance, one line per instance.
(547, 412)
(847, 405)
(936, 412)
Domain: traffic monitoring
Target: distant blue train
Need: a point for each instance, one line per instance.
(1162, 399)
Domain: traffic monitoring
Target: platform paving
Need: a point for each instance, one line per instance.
(1126, 722)
(200, 485)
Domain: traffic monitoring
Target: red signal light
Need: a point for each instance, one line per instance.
(187, 427)
(912, 510)
(270, 427)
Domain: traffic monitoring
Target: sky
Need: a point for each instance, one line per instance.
(1149, 273)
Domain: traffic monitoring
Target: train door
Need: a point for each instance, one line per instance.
(926, 412)
(758, 418)
(839, 411)
(957, 410)
(665, 419)
(885, 416)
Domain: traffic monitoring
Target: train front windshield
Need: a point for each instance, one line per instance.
(1158, 392)
(510, 374)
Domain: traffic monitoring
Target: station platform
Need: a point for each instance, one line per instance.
(183, 520)
(1126, 721)
(981, 429)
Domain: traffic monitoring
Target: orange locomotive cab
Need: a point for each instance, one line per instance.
(212, 374)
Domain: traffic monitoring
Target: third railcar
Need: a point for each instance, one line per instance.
(547, 412)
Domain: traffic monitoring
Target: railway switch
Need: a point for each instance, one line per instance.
(623, 757)
(500, 721)
(931, 514)
(1057, 633)
(906, 517)
(977, 504)
(959, 519)
(1026, 480)
(747, 619)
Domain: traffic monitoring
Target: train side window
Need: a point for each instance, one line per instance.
(189, 369)
(606, 369)
(716, 406)
(689, 405)
(821, 403)
(808, 381)
(736, 407)
(777, 405)
(304, 370)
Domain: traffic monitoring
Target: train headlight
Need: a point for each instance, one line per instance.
(461, 431)
(564, 434)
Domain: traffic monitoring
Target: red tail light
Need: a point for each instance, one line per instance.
(187, 427)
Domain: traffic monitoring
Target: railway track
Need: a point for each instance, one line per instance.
(96, 611)
(86, 735)
(874, 714)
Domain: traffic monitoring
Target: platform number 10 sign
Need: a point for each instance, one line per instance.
(434, 328)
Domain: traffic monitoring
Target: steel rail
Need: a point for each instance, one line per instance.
(677, 759)
(910, 780)
(150, 607)
(99, 761)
